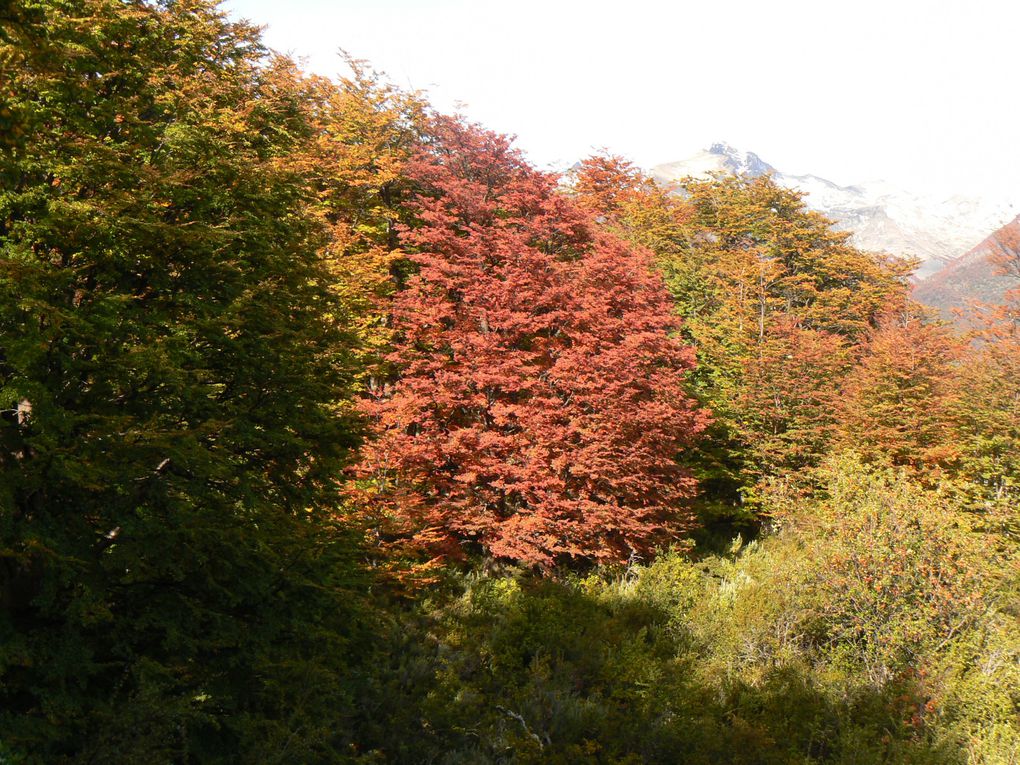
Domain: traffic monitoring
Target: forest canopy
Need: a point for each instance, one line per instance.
(333, 431)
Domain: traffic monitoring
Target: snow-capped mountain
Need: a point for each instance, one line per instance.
(883, 218)
(719, 158)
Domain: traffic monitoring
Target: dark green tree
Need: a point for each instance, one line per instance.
(171, 367)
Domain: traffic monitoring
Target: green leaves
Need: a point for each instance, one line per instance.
(165, 314)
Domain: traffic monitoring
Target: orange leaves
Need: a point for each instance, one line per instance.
(897, 402)
(774, 300)
(351, 147)
(790, 398)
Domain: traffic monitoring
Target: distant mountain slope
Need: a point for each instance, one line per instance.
(882, 218)
(973, 276)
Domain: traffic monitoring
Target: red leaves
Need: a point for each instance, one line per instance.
(541, 405)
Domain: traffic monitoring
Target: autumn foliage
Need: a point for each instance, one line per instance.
(268, 341)
(897, 401)
(777, 304)
(541, 403)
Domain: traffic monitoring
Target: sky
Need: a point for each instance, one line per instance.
(922, 94)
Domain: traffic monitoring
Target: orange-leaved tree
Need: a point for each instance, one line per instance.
(774, 300)
(790, 398)
(898, 401)
(357, 135)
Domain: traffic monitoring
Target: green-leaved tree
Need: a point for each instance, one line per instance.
(171, 363)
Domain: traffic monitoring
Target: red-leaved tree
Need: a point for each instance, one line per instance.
(541, 404)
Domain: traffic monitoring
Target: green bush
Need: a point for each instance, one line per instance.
(782, 650)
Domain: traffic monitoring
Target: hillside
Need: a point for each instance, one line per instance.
(973, 276)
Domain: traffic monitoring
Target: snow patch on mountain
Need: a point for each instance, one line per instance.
(719, 158)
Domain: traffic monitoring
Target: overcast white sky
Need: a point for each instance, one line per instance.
(921, 93)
